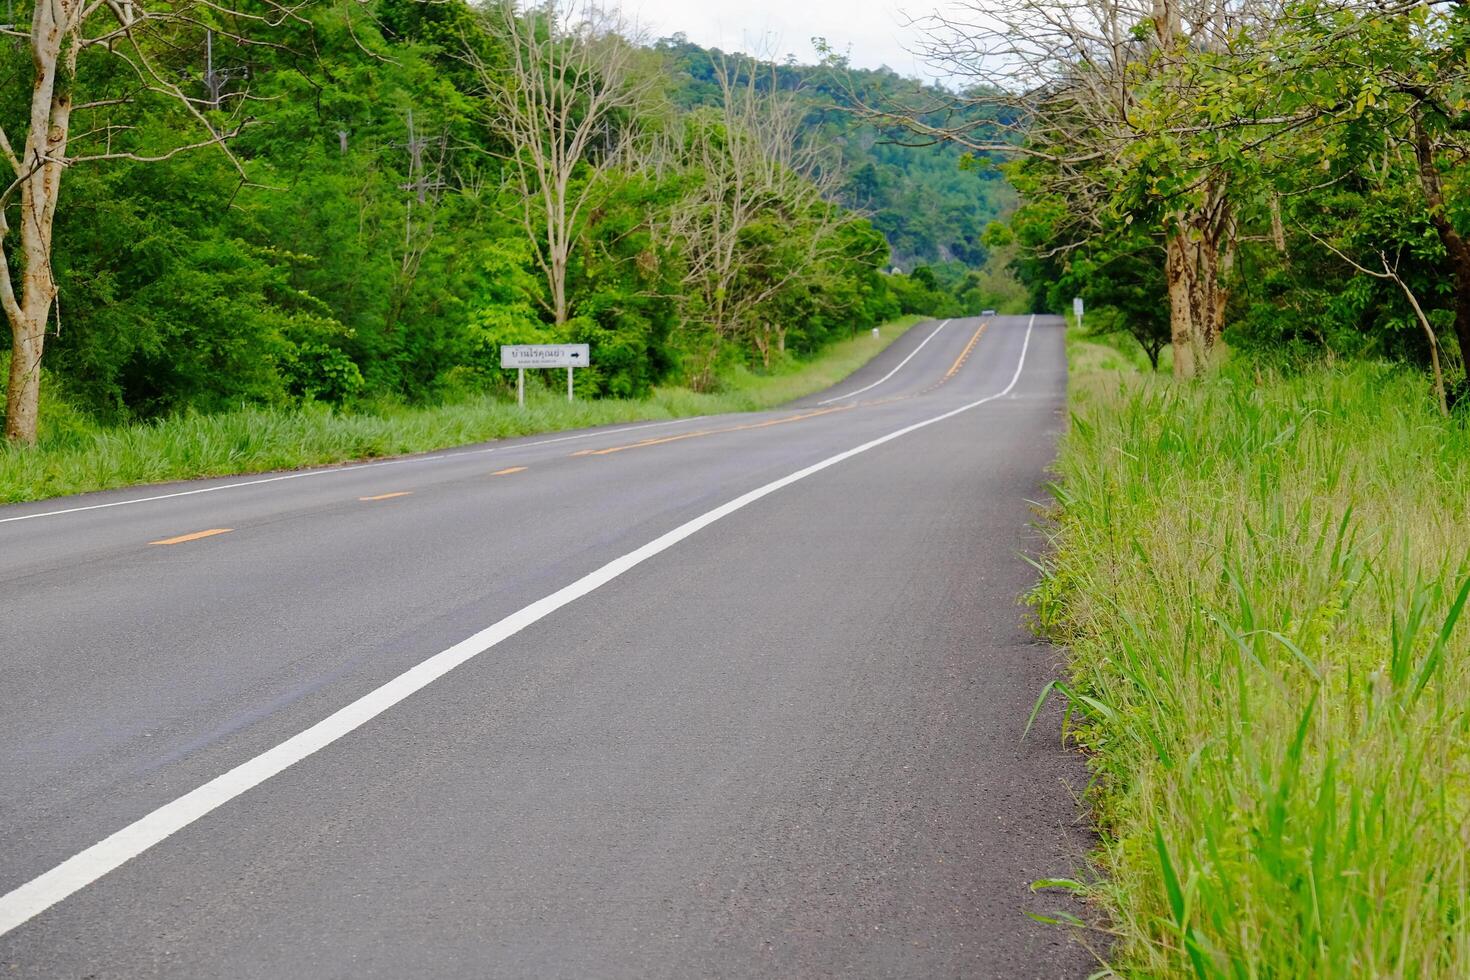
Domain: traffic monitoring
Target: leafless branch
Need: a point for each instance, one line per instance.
(1391, 273)
(747, 163)
(9, 152)
(168, 154)
(560, 116)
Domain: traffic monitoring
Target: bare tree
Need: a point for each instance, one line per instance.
(757, 215)
(562, 109)
(59, 35)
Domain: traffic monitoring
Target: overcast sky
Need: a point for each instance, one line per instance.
(871, 32)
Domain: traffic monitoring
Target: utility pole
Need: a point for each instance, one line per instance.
(418, 181)
(416, 238)
(215, 80)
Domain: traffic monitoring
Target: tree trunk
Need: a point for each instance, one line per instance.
(1461, 284)
(23, 394)
(1278, 230)
(1182, 332)
(703, 379)
(559, 288)
(762, 338)
(1454, 243)
(1462, 312)
(1167, 24)
(40, 187)
(1195, 269)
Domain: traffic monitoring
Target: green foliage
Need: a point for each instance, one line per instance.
(1260, 582)
(1324, 148)
(318, 263)
(338, 271)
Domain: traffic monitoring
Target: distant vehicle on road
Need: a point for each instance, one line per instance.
(987, 313)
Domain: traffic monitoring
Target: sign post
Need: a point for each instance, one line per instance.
(1077, 310)
(522, 356)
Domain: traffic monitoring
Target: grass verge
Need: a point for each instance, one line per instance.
(1258, 581)
(255, 440)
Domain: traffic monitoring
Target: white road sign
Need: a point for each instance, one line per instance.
(545, 356)
(1077, 307)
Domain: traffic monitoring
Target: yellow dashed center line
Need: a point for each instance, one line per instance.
(387, 496)
(195, 536)
(508, 471)
(959, 362)
(710, 432)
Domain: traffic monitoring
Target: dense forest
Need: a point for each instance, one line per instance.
(343, 202)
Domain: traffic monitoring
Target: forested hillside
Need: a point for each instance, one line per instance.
(342, 202)
(932, 202)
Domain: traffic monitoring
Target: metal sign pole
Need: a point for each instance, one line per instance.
(521, 387)
(569, 383)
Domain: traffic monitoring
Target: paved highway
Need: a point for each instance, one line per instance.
(734, 696)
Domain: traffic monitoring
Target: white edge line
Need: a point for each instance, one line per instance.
(854, 394)
(498, 448)
(85, 867)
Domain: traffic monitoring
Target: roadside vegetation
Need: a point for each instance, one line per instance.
(75, 455)
(1258, 578)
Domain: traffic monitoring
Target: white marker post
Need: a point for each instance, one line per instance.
(1077, 310)
(523, 356)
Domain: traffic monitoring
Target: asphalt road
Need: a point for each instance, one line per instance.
(716, 697)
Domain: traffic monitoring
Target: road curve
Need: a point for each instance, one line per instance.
(732, 696)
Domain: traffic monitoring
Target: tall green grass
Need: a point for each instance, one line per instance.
(74, 457)
(1260, 582)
